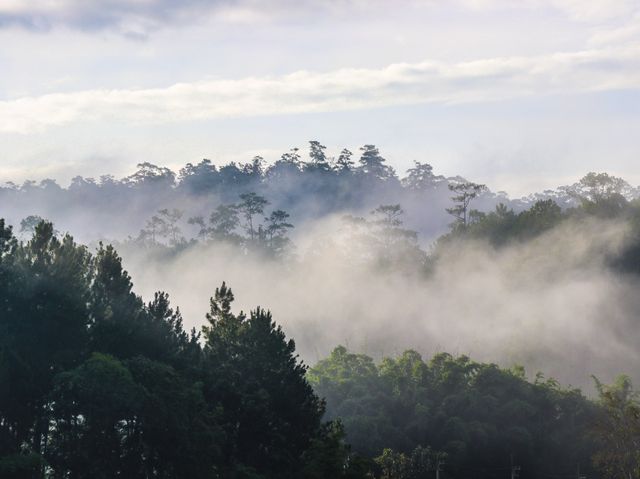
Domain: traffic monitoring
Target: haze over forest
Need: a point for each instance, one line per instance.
(539, 301)
(542, 295)
(319, 239)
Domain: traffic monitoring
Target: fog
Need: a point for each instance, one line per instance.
(112, 209)
(551, 304)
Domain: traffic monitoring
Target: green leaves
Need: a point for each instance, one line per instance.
(96, 384)
(478, 414)
(270, 413)
(618, 430)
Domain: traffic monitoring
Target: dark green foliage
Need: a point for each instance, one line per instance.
(502, 226)
(96, 384)
(478, 414)
(44, 327)
(618, 430)
(330, 457)
(599, 197)
(95, 410)
(271, 412)
(420, 463)
(21, 466)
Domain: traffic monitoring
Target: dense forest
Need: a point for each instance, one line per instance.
(99, 380)
(96, 383)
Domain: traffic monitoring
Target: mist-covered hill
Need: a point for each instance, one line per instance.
(309, 185)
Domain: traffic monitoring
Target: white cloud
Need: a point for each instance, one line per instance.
(628, 32)
(339, 90)
(578, 10)
(139, 17)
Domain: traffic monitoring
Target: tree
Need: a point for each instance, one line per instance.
(222, 224)
(153, 228)
(330, 457)
(80, 183)
(96, 384)
(289, 165)
(478, 414)
(396, 242)
(618, 430)
(224, 221)
(382, 241)
(169, 225)
(464, 193)
(150, 174)
(165, 225)
(596, 187)
(96, 406)
(28, 224)
(502, 226)
(255, 168)
(421, 177)
(199, 178)
(198, 221)
(419, 464)
(231, 176)
(164, 336)
(276, 230)
(601, 195)
(372, 164)
(292, 157)
(250, 206)
(393, 465)
(344, 163)
(271, 414)
(318, 156)
(116, 312)
(7, 240)
(542, 216)
(43, 328)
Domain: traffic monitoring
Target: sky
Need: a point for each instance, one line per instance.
(522, 95)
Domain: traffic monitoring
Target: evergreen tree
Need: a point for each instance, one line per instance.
(271, 414)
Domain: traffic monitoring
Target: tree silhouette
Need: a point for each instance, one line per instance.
(464, 193)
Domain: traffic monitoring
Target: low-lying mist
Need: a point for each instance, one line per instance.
(551, 304)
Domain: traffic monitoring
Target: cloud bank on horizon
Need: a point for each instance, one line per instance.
(91, 70)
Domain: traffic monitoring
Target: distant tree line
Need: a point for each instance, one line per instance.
(381, 238)
(596, 196)
(308, 185)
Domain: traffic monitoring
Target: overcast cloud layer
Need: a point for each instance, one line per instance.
(346, 89)
(46, 14)
(89, 87)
